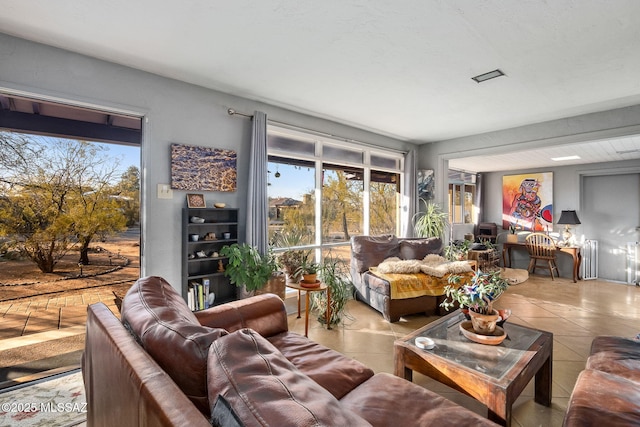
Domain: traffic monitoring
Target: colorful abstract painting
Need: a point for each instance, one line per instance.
(527, 201)
(203, 168)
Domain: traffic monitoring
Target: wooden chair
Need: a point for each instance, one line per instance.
(541, 247)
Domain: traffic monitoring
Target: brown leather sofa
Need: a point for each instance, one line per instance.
(369, 251)
(235, 364)
(607, 392)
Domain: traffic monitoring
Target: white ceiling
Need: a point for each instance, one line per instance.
(401, 69)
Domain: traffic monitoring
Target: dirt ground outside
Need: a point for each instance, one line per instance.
(42, 316)
(115, 260)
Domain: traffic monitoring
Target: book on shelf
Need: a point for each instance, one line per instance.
(206, 284)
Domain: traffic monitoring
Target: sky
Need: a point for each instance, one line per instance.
(128, 155)
(293, 181)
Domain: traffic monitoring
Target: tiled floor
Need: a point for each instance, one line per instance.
(574, 312)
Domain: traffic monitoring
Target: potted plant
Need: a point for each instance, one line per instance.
(478, 296)
(247, 268)
(430, 223)
(308, 269)
(334, 273)
(290, 262)
(457, 250)
(512, 237)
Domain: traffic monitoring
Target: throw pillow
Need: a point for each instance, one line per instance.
(419, 248)
(369, 251)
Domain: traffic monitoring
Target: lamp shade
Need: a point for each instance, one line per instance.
(569, 218)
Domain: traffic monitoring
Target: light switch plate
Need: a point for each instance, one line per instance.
(165, 191)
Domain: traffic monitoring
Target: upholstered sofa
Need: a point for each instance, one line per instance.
(607, 392)
(368, 252)
(235, 364)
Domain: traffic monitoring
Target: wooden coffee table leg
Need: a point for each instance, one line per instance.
(498, 419)
(400, 370)
(543, 384)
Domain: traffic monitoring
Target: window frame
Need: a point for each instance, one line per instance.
(322, 141)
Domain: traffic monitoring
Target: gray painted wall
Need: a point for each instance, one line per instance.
(175, 112)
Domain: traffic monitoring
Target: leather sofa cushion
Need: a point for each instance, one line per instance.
(264, 389)
(336, 373)
(265, 314)
(412, 405)
(369, 251)
(419, 248)
(160, 320)
(602, 399)
(616, 355)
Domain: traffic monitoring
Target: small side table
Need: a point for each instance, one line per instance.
(320, 288)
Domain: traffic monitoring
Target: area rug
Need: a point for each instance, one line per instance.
(514, 276)
(55, 401)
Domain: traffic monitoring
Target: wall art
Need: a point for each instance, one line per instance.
(426, 184)
(527, 201)
(202, 168)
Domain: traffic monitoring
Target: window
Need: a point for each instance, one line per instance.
(462, 192)
(322, 192)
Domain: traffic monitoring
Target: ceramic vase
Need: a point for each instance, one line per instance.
(484, 324)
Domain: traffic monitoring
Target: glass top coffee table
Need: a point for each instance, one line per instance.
(492, 374)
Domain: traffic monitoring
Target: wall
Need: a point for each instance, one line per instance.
(175, 112)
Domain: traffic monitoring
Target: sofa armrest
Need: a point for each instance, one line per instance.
(124, 386)
(265, 314)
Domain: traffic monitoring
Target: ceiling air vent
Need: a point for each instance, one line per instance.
(488, 76)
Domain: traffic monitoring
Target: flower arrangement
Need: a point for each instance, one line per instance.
(477, 295)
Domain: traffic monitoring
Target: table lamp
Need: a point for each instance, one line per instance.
(568, 218)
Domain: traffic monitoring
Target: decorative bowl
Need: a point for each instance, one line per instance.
(197, 220)
(504, 315)
(219, 205)
(495, 338)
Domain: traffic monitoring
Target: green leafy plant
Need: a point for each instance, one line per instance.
(307, 265)
(247, 267)
(477, 295)
(513, 227)
(290, 261)
(334, 273)
(432, 222)
(458, 250)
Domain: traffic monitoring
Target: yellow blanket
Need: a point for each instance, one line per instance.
(411, 285)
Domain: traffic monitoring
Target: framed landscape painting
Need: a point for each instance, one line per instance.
(203, 168)
(527, 201)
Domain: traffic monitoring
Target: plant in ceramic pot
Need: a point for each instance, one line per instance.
(247, 268)
(478, 296)
(512, 237)
(308, 269)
